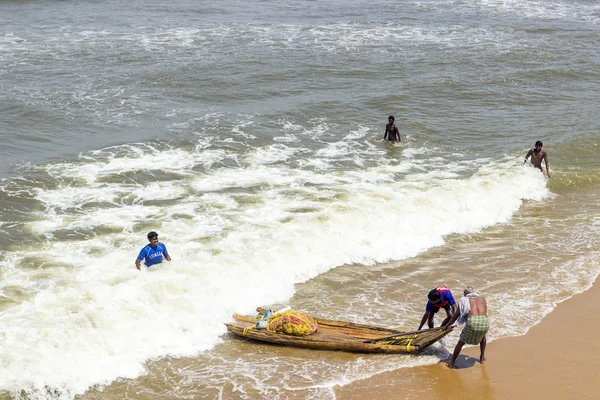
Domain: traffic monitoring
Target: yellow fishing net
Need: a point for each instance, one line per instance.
(292, 322)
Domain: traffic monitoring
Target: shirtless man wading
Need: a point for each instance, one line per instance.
(391, 131)
(537, 155)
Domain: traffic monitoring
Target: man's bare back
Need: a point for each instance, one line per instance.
(478, 307)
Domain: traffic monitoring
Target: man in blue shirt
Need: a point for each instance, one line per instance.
(152, 253)
(440, 297)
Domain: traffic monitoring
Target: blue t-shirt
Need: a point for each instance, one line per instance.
(153, 255)
(446, 296)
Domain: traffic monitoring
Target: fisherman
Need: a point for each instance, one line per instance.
(153, 252)
(391, 131)
(472, 311)
(440, 297)
(537, 156)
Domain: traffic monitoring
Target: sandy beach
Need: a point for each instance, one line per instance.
(559, 358)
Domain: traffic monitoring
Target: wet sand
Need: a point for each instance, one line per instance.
(559, 358)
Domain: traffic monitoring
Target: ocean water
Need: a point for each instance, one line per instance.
(249, 135)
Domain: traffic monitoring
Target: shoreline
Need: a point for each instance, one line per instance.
(557, 358)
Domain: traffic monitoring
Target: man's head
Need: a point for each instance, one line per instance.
(469, 289)
(538, 145)
(153, 238)
(434, 296)
(391, 118)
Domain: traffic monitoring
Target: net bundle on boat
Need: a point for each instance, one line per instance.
(292, 322)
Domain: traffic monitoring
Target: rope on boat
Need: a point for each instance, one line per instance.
(400, 341)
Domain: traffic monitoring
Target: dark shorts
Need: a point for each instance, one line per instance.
(447, 307)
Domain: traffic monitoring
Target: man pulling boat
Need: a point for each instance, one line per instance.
(473, 313)
(440, 297)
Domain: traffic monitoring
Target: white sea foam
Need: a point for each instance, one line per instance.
(574, 11)
(239, 237)
(271, 154)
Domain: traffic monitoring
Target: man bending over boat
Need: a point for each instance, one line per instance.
(440, 297)
(472, 310)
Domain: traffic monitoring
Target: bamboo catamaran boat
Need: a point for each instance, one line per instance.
(341, 336)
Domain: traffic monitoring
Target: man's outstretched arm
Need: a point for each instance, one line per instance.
(455, 315)
(423, 320)
(547, 168)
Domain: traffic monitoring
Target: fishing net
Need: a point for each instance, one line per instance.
(292, 322)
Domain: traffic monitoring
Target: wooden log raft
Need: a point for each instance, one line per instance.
(342, 336)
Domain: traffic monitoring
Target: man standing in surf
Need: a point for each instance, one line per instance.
(391, 131)
(153, 252)
(537, 156)
(440, 297)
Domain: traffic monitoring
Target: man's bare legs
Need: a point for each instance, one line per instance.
(459, 347)
(482, 348)
(457, 350)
